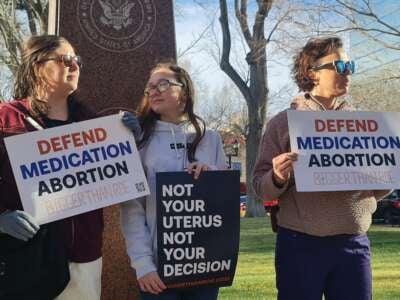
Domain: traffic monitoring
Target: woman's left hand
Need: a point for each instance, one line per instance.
(197, 168)
(132, 123)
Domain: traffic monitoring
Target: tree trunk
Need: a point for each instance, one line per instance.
(254, 206)
(258, 90)
(256, 60)
(31, 20)
(256, 93)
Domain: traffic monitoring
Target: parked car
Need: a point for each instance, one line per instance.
(388, 209)
(268, 204)
(243, 202)
(243, 188)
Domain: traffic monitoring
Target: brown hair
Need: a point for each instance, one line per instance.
(28, 80)
(306, 58)
(148, 117)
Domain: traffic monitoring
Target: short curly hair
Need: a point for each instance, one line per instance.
(305, 59)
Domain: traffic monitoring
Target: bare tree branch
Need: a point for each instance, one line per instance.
(11, 37)
(356, 10)
(377, 24)
(241, 16)
(226, 48)
(367, 30)
(281, 19)
(11, 31)
(195, 41)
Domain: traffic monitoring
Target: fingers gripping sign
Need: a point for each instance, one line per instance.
(151, 283)
(283, 166)
(196, 168)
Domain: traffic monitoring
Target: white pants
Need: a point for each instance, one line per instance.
(85, 282)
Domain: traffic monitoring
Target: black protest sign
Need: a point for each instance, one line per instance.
(198, 227)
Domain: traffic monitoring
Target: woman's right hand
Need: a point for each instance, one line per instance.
(18, 224)
(283, 166)
(151, 283)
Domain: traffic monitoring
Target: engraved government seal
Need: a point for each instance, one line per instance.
(117, 25)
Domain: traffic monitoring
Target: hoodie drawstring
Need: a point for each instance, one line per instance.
(176, 145)
(185, 147)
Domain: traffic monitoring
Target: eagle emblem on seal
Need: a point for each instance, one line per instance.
(116, 13)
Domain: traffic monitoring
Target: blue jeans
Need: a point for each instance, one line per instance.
(308, 267)
(199, 293)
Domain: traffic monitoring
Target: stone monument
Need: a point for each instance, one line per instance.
(119, 41)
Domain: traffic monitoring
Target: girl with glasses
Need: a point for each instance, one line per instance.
(63, 258)
(321, 247)
(173, 138)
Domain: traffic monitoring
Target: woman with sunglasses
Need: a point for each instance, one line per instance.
(44, 91)
(321, 247)
(173, 139)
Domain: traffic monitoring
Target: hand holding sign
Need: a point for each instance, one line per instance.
(197, 168)
(18, 224)
(151, 283)
(132, 123)
(283, 165)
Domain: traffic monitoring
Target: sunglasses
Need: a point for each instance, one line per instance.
(66, 59)
(161, 87)
(340, 66)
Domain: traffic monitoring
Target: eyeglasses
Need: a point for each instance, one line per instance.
(340, 66)
(66, 59)
(161, 87)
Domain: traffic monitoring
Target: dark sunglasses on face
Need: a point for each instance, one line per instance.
(161, 87)
(67, 60)
(340, 66)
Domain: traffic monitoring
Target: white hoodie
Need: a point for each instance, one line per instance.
(164, 152)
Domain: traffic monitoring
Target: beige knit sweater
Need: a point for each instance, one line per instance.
(314, 213)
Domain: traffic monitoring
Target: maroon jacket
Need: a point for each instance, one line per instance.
(82, 234)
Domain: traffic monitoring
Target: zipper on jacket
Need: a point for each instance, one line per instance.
(33, 122)
(73, 233)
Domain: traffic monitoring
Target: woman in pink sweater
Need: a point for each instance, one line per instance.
(321, 247)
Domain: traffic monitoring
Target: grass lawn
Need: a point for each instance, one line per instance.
(255, 274)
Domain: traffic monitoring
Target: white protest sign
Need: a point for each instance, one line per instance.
(68, 170)
(341, 151)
